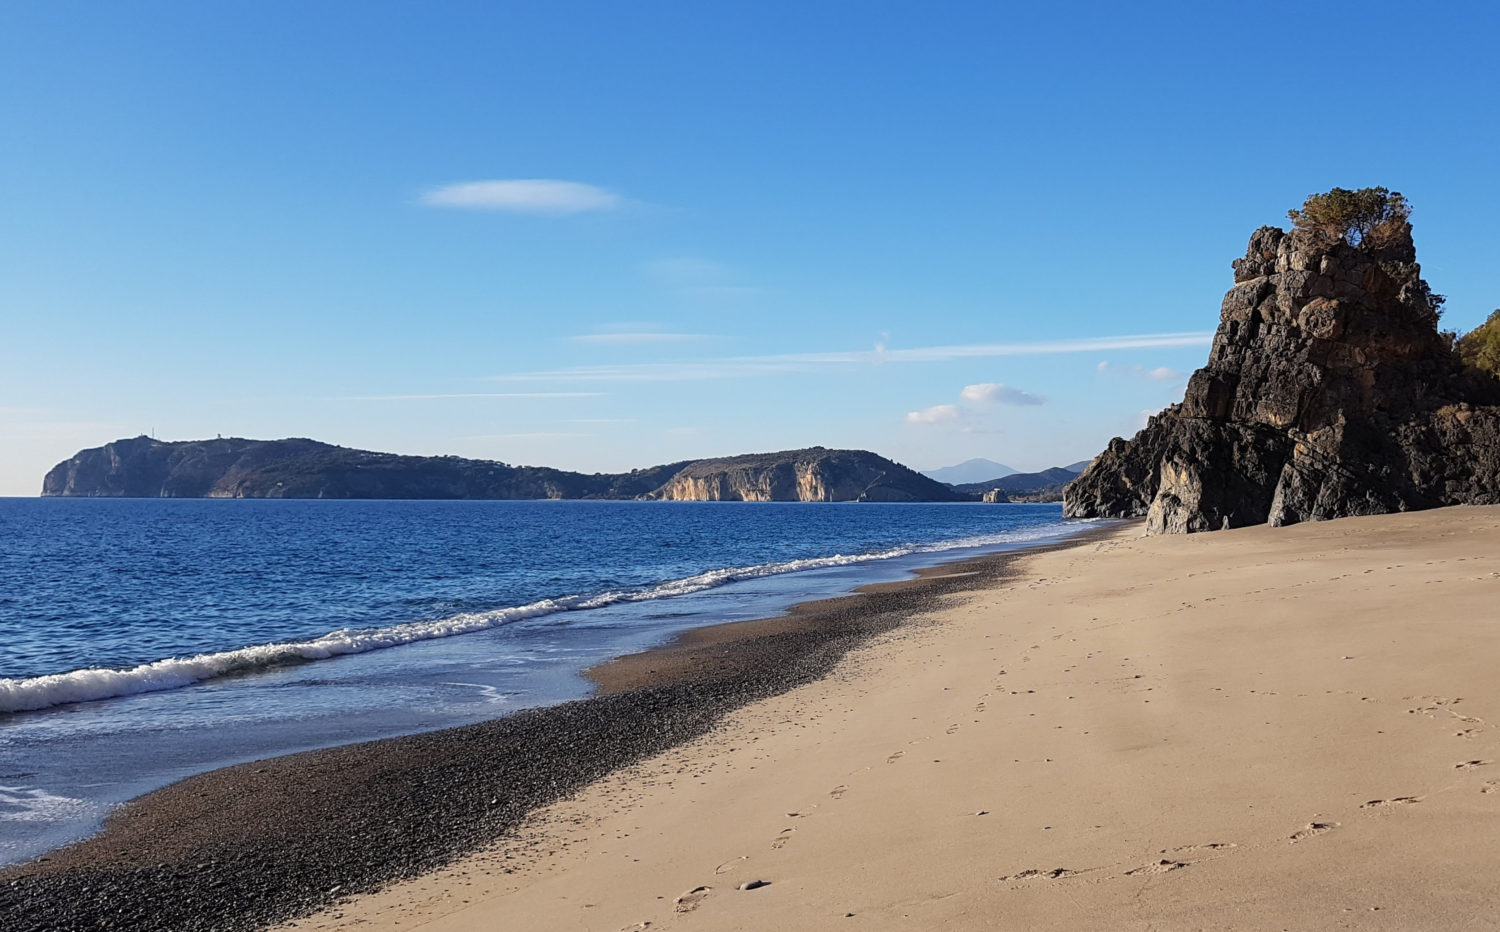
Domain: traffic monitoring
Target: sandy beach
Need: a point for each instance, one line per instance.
(1260, 729)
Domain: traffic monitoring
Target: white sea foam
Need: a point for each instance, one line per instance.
(41, 692)
(29, 804)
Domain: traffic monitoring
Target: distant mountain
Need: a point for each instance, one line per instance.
(297, 468)
(1044, 486)
(1079, 466)
(975, 470)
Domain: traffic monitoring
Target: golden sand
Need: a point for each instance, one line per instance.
(1293, 728)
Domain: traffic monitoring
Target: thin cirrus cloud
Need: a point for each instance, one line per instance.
(448, 395)
(524, 196)
(1159, 374)
(635, 338)
(532, 435)
(698, 279)
(688, 272)
(744, 366)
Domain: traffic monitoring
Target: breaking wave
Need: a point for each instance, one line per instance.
(41, 692)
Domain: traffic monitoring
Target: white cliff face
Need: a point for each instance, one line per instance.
(776, 484)
(801, 476)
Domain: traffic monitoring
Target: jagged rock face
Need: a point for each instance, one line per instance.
(1328, 392)
(813, 475)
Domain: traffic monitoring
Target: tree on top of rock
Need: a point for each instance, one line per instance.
(1370, 217)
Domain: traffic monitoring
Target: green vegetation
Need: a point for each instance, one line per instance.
(1369, 216)
(1480, 347)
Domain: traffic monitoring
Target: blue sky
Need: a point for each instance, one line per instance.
(601, 236)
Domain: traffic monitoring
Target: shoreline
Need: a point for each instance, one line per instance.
(266, 841)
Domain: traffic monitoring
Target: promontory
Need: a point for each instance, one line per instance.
(142, 467)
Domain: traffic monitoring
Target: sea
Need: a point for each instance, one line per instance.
(145, 640)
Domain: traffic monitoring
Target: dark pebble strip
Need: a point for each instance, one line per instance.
(259, 844)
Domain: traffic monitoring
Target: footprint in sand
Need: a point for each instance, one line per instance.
(1165, 865)
(1313, 828)
(1490, 786)
(641, 926)
(1211, 846)
(781, 840)
(690, 900)
(1471, 765)
(953, 729)
(895, 757)
(728, 866)
(838, 791)
(1394, 801)
(1056, 873)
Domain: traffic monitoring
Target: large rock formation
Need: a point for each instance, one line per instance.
(1328, 392)
(812, 475)
(236, 468)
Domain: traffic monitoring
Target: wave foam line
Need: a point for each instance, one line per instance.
(27, 694)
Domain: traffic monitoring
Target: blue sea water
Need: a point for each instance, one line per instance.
(145, 640)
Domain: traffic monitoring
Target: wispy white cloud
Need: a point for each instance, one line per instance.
(446, 395)
(744, 366)
(1159, 374)
(534, 435)
(970, 414)
(687, 271)
(1000, 394)
(1146, 414)
(635, 337)
(937, 414)
(702, 279)
(524, 195)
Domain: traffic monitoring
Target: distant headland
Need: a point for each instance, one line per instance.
(141, 467)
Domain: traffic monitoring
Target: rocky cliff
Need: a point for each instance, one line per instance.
(1328, 392)
(812, 475)
(236, 468)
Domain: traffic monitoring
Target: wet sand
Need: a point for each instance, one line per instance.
(249, 846)
(1265, 728)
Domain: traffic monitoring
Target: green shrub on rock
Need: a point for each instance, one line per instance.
(1480, 347)
(1369, 216)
